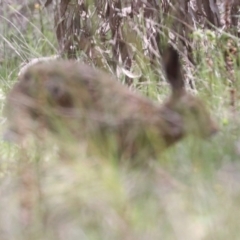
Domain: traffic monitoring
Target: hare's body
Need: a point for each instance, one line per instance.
(77, 102)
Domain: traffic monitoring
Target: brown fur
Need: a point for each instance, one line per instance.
(73, 100)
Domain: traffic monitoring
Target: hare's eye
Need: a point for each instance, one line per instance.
(55, 91)
(27, 77)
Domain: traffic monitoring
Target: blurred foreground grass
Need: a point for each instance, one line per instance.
(191, 192)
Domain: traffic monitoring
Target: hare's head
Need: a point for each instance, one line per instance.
(30, 103)
(193, 116)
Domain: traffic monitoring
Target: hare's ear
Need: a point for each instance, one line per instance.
(173, 69)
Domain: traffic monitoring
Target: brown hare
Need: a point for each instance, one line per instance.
(78, 103)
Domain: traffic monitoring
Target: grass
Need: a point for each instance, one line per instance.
(191, 192)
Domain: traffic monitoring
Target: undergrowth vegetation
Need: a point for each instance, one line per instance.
(190, 192)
